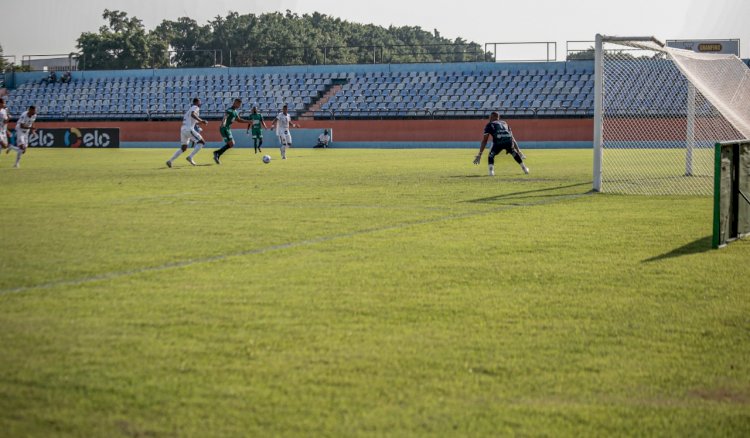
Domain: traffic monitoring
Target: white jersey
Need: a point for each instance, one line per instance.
(188, 122)
(25, 120)
(4, 120)
(282, 123)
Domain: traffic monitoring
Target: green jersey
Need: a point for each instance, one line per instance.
(256, 121)
(230, 115)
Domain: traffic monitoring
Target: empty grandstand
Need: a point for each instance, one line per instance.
(519, 90)
(385, 91)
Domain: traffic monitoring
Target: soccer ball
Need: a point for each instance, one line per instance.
(266, 159)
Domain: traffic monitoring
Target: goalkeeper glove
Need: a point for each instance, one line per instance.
(477, 159)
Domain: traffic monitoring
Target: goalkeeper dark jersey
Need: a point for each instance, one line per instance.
(500, 132)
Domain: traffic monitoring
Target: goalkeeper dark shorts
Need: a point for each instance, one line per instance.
(503, 144)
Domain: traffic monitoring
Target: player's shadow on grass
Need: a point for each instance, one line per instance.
(538, 193)
(695, 247)
(184, 167)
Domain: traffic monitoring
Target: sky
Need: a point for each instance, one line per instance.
(42, 27)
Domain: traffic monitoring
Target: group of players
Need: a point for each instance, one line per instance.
(190, 132)
(498, 130)
(24, 127)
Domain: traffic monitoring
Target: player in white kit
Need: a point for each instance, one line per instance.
(24, 126)
(282, 123)
(188, 133)
(4, 118)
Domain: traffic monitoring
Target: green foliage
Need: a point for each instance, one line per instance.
(361, 293)
(266, 39)
(122, 44)
(583, 55)
(3, 63)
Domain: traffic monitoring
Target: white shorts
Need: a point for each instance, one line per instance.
(187, 135)
(22, 139)
(285, 137)
(4, 138)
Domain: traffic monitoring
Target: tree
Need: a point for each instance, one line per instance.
(190, 44)
(583, 55)
(267, 39)
(3, 63)
(122, 44)
(292, 39)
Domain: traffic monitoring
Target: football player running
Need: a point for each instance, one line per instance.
(230, 116)
(24, 127)
(4, 119)
(282, 123)
(188, 133)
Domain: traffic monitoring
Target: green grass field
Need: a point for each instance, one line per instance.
(361, 293)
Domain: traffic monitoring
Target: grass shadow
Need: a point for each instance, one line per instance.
(538, 193)
(695, 247)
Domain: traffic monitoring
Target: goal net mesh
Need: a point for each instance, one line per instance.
(662, 111)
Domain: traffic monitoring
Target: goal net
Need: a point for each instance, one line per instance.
(659, 111)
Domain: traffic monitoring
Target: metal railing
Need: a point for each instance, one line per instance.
(579, 54)
(155, 114)
(360, 54)
(550, 50)
(424, 113)
(297, 55)
(198, 57)
(28, 60)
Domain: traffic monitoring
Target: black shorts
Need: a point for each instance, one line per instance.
(502, 145)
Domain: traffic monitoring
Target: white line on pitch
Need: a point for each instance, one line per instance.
(307, 242)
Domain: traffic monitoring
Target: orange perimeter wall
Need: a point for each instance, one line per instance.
(556, 130)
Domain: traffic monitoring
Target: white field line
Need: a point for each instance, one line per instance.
(279, 247)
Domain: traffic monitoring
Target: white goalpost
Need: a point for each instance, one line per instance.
(659, 111)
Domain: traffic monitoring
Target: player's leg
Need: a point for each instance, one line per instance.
(286, 140)
(229, 143)
(518, 149)
(260, 143)
(516, 154)
(22, 142)
(198, 144)
(4, 142)
(282, 148)
(491, 159)
(177, 154)
(185, 137)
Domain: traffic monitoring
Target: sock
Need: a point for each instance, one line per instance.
(18, 155)
(196, 148)
(176, 155)
(222, 150)
(491, 167)
(283, 151)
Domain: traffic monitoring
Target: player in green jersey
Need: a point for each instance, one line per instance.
(256, 125)
(230, 116)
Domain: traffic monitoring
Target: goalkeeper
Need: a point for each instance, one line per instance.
(502, 140)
